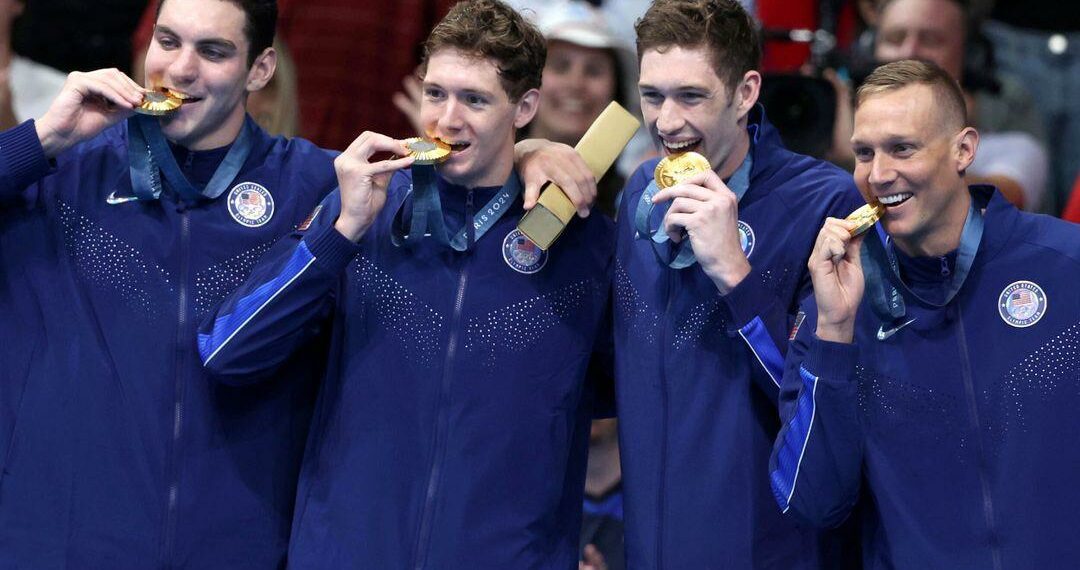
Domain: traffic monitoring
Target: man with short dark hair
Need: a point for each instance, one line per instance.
(706, 293)
(933, 382)
(452, 427)
(117, 234)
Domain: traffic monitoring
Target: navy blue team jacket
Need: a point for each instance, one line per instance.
(698, 372)
(116, 450)
(451, 430)
(955, 433)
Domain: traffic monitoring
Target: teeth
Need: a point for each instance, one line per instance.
(573, 105)
(681, 144)
(895, 198)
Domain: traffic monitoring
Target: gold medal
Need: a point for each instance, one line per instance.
(427, 151)
(159, 103)
(675, 168)
(865, 217)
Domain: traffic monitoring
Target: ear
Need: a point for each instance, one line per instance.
(966, 144)
(526, 108)
(262, 69)
(746, 93)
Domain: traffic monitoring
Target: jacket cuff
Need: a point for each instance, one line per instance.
(332, 251)
(23, 158)
(831, 360)
(749, 299)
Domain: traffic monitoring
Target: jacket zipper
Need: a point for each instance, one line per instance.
(969, 385)
(179, 376)
(662, 479)
(442, 418)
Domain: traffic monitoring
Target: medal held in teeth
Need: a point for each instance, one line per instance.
(427, 151)
(675, 168)
(161, 102)
(865, 217)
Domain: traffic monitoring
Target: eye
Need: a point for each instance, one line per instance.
(434, 94)
(167, 42)
(213, 54)
(863, 154)
(903, 149)
(474, 100)
(652, 97)
(691, 98)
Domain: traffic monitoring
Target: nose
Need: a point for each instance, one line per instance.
(882, 173)
(184, 69)
(450, 116)
(911, 48)
(669, 118)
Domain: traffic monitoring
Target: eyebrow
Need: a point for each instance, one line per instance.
(467, 91)
(686, 87)
(211, 42)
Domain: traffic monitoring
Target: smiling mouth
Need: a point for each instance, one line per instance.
(895, 199)
(184, 97)
(681, 146)
(454, 146)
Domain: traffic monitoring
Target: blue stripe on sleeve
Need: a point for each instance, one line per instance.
(228, 325)
(763, 347)
(789, 457)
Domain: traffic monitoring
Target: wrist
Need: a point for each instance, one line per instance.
(350, 228)
(841, 332)
(51, 144)
(728, 278)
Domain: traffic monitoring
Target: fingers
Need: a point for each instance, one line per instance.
(684, 190)
(540, 161)
(675, 225)
(577, 182)
(369, 143)
(110, 84)
(531, 193)
(833, 239)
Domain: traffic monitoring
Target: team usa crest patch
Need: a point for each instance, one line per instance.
(521, 254)
(1022, 304)
(746, 238)
(250, 204)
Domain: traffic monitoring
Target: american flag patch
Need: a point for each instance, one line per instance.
(311, 218)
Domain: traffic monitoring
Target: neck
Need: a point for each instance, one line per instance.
(5, 51)
(945, 235)
(603, 472)
(736, 156)
(224, 136)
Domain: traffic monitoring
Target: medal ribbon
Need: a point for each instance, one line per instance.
(884, 286)
(681, 255)
(427, 216)
(150, 159)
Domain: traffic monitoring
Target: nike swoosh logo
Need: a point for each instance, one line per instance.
(883, 333)
(113, 199)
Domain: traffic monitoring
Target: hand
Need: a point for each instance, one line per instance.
(540, 161)
(87, 104)
(836, 270)
(363, 184)
(593, 559)
(408, 101)
(704, 209)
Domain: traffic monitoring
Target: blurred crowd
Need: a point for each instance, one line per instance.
(1017, 63)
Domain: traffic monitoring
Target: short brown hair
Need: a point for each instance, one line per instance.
(722, 26)
(900, 74)
(491, 29)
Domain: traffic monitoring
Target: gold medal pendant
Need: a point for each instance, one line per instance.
(158, 103)
(865, 217)
(427, 151)
(675, 168)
